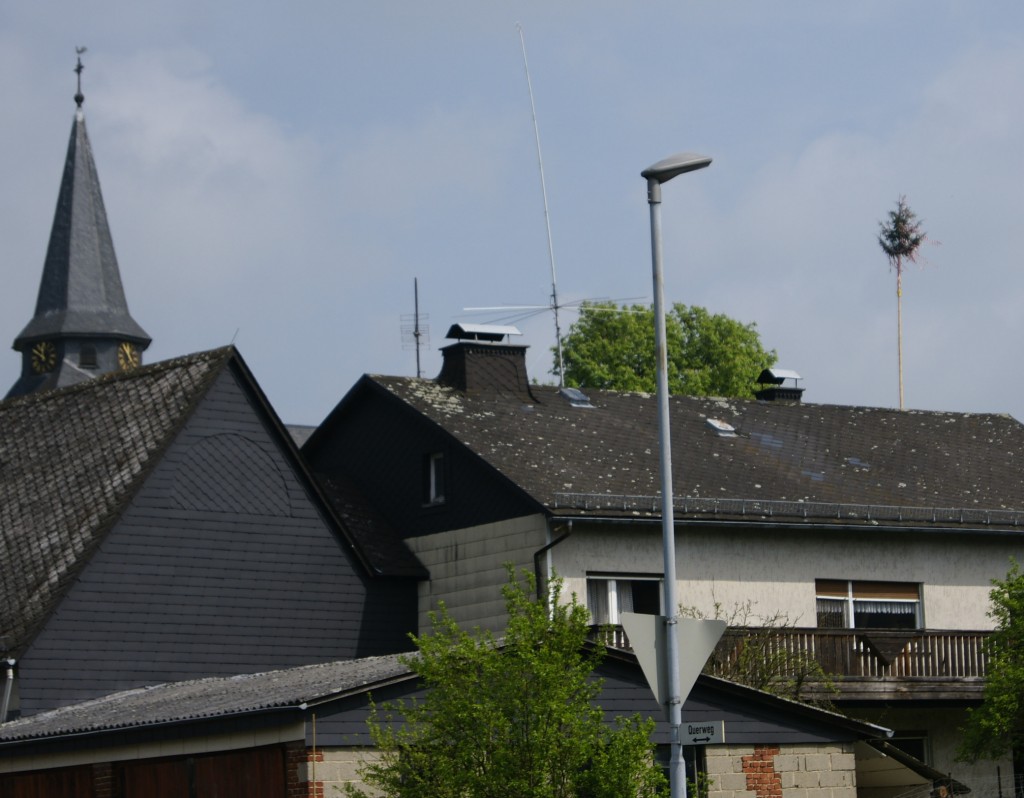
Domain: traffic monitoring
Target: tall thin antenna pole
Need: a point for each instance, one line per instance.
(416, 332)
(547, 216)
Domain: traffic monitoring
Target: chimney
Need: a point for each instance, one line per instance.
(483, 362)
(779, 392)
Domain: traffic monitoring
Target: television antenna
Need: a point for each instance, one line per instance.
(547, 216)
(514, 313)
(413, 332)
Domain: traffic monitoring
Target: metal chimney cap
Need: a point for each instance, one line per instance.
(481, 332)
(777, 376)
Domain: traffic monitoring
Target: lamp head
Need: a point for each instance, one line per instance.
(667, 168)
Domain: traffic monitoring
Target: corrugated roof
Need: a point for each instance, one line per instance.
(70, 460)
(201, 699)
(825, 463)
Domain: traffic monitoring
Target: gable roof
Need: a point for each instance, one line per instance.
(70, 460)
(738, 460)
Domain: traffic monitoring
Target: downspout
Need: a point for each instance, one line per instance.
(544, 550)
(8, 685)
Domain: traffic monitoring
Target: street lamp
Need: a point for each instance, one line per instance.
(659, 173)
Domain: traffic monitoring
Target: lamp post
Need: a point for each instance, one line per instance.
(659, 173)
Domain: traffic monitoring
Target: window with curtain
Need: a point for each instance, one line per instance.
(848, 604)
(607, 596)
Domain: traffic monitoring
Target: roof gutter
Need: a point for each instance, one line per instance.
(795, 526)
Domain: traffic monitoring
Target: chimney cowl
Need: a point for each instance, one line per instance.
(777, 391)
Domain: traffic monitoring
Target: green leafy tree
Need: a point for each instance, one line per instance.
(996, 728)
(510, 718)
(900, 237)
(708, 354)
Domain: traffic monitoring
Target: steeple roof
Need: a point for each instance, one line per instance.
(80, 294)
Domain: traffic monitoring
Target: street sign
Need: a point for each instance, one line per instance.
(696, 640)
(705, 732)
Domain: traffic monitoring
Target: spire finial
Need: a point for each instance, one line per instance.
(79, 97)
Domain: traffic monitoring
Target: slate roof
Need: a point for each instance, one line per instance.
(80, 293)
(798, 462)
(70, 461)
(214, 697)
(385, 552)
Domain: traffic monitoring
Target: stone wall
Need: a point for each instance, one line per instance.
(332, 770)
(782, 771)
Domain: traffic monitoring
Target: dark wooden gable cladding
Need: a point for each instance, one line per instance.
(224, 562)
(751, 717)
(383, 445)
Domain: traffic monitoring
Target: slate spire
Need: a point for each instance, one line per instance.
(82, 327)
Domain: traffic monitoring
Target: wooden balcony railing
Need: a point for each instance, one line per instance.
(848, 655)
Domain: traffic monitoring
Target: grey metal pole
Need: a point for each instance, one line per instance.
(659, 173)
(677, 765)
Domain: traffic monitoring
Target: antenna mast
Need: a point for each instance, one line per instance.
(415, 331)
(547, 217)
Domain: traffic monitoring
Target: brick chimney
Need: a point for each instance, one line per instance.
(482, 362)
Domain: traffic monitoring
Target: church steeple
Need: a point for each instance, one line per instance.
(82, 327)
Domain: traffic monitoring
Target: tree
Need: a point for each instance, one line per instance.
(512, 717)
(900, 237)
(996, 728)
(708, 355)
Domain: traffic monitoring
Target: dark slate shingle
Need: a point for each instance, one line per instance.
(821, 462)
(70, 460)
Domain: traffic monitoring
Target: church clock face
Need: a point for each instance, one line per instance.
(128, 356)
(44, 357)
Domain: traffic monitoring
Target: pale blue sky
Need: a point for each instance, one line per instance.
(280, 173)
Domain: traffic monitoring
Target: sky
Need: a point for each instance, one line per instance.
(279, 175)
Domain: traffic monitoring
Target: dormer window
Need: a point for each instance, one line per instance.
(434, 478)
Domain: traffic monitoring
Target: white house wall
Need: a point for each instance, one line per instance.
(776, 569)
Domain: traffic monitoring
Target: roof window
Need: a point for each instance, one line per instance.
(575, 397)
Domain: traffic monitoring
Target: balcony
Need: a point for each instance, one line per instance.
(866, 665)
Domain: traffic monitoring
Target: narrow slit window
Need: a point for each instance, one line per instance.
(87, 356)
(434, 478)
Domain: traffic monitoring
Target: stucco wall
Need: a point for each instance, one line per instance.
(776, 569)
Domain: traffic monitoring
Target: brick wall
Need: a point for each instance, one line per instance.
(782, 771)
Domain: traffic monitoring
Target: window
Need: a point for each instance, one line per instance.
(608, 596)
(433, 478)
(914, 743)
(843, 604)
(87, 356)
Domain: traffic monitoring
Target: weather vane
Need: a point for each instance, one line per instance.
(79, 97)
